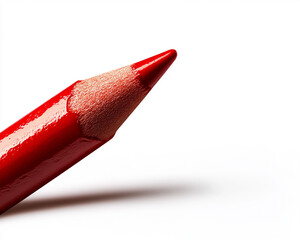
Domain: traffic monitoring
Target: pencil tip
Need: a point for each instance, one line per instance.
(152, 69)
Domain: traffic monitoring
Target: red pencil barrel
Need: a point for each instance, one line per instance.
(38, 148)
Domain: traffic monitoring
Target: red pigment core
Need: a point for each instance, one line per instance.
(152, 69)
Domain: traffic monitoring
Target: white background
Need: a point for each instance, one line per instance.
(212, 153)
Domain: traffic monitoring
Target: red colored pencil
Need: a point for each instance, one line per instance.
(71, 125)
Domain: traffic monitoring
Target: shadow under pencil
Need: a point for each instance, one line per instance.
(98, 197)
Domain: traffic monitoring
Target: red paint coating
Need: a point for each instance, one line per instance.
(152, 69)
(38, 148)
(48, 141)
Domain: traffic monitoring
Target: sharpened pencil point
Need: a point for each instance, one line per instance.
(152, 69)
